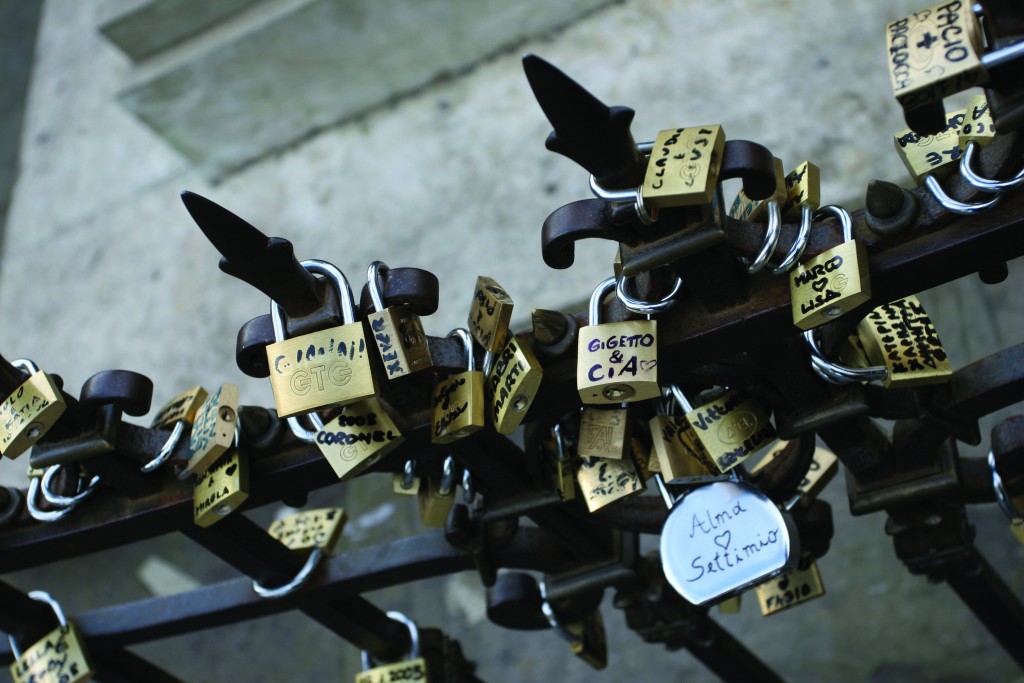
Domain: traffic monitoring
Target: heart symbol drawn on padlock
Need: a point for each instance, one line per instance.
(646, 365)
(820, 285)
(231, 470)
(727, 536)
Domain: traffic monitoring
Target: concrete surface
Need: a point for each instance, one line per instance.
(102, 268)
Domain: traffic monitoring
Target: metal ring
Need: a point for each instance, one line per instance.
(467, 344)
(468, 493)
(646, 307)
(332, 273)
(771, 238)
(982, 183)
(414, 639)
(845, 220)
(408, 474)
(373, 273)
(33, 509)
(666, 495)
(840, 374)
(680, 398)
(594, 315)
(447, 477)
(799, 244)
(65, 501)
(954, 206)
(41, 596)
(646, 217)
(26, 365)
(488, 362)
(560, 452)
(1005, 504)
(166, 449)
(295, 584)
(300, 432)
(612, 195)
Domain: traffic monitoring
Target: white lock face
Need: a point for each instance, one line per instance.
(721, 538)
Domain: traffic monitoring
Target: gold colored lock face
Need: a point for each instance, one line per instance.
(978, 125)
(458, 407)
(901, 336)
(513, 383)
(434, 507)
(57, 658)
(357, 438)
(605, 481)
(181, 408)
(221, 489)
(934, 53)
(830, 284)
(931, 154)
(589, 640)
(604, 433)
(28, 413)
(398, 334)
(803, 188)
(489, 314)
(618, 362)
(789, 590)
(680, 457)
(408, 671)
(684, 165)
(214, 429)
(746, 209)
(731, 428)
(321, 369)
(310, 529)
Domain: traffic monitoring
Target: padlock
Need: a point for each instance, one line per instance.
(605, 433)
(681, 458)
(803, 189)
(823, 469)
(723, 537)
(730, 429)
(978, 126)
(320, 369)
(746, 209)
(58, 658)
(397, 331)
(414, 669)
(458, 401)
(604, 481)
(406, 483)
(789, 590)
(216, 423)
(560, 466)
(935, 155)
(357, 438)
(221, 489)
(901, 336)
(833, 282)
(29, 412)
(310, 529)
(616, 362)
(933, 53)
(489, 314)
(180, 409)
(513, 383)
(437, 496)
(683, 167)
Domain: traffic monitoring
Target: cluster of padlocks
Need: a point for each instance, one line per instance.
(627, 424)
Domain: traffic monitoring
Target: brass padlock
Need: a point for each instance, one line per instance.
(181, 408)
(397, 331)
(406, 483)
(616, 362)
(437, 496)
(833, 282)
(978, 125)
(934, 53)
(680, 456)
(683, 168)
(803, 189)
(28, 413)
(901, 336)
(562, 474)
(489, 314)
(458, 402)
(604, 433)
(935, 155)
(414, 669)
(586, 638)
(215, 428)
(789, 590)
(731, 428)
(310, 529)
(746, 209)
(513, 382)
(604, 481)
(221, 489)
(320, 369)
(823, 469)
(58, 658)
(357, 438)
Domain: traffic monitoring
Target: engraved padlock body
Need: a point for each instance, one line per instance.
(616, 362)
(937, 154)
(414, 669)
(978, 125)
(310, 529)
(802, 187)
(358, 437)
(900, 335)
(683, 167)
(181, 408)
(723, 537)
(603, 481)
(489, 314)
(730, 429)
(747, 209)
(321, 369)
(397, 331)
(604, 433)
(833, 282)
(221, 489)
(512, 384)
(58, 657)
(679, 456)
(214, 429)
(28, 413)
(789, 590)
(458, 400)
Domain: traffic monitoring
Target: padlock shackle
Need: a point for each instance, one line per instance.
(646, 307)
(467, 342)
(594, 314)
(373, 273)
(845, 220)
(447, 476)
(330, 272)
(414, 639)
(41, 596)
(25, 365)
(680, 398)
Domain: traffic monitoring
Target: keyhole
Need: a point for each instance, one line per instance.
(617, 392)
(226, 414)
(520, 402)
(223, 509)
